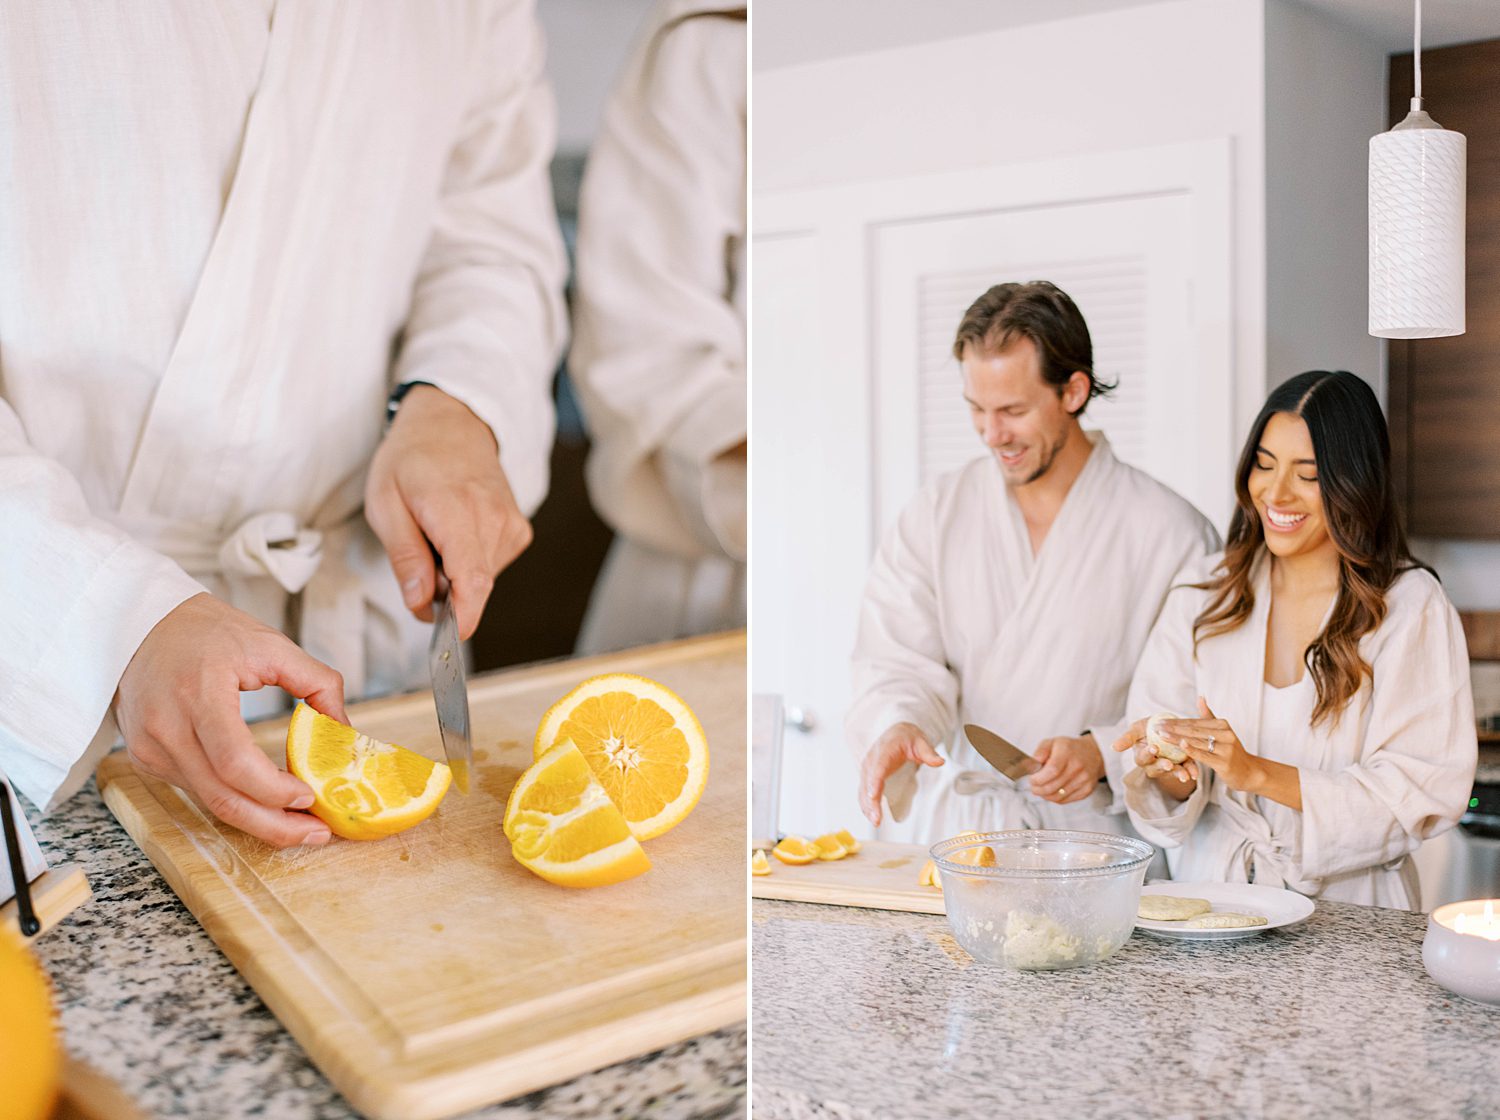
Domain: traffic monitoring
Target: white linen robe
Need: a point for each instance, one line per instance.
(225, 231)
(1396, 769)
(960, 623)
(659, 314)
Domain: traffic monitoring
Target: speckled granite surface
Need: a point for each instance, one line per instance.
(148, 1000)
(860, 1014)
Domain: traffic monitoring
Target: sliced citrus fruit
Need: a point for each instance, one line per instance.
(759, 865)
(929, 876)
(363, 789)
(29, 1037)
(642, 742)
(563, 826)
(846, 838)
(829, 847)
(974, 857)
(795, 849)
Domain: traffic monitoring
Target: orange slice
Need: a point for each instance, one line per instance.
(29, 1036)
(563, 826)
(794, 849)
(759, 865)
(829, 847)
(974, 857)
(929, 876)
(363, 789)
(643, 743)
(846, 838)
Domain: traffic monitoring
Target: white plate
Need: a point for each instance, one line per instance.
(1281, 909)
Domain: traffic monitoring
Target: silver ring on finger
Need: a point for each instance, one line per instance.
(1210, 744)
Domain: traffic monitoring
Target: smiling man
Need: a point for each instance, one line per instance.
(1016, 592)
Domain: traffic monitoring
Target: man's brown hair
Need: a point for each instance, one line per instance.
(1042, 312)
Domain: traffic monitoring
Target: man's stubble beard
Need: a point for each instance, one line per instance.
(1048, 459)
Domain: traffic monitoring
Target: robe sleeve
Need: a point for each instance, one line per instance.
(77, 597)
(1416, 763)
(487, 319)
(1165, 681)
(900, 668)
(659, 351)
(1195, 540)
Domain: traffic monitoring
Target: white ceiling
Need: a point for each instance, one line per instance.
(792, 32)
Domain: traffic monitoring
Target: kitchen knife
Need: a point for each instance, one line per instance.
(450, 685)
(1005, 757)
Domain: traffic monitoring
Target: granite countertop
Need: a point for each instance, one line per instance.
(147, 999)
(865, 1013)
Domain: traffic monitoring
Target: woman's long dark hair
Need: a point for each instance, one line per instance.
(1352, 449)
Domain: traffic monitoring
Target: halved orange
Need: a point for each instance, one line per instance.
(363, 789)
(795, 849)
(974, 857)
(929, 876)
(563, 826)
(642, 742)
(829, 847)
(759, 865)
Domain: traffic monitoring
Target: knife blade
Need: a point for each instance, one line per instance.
(450, 686)
(1003, 755)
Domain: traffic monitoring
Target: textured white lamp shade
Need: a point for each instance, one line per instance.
(1417, 230)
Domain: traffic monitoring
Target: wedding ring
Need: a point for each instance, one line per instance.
(1210, 744)
(1062, 792)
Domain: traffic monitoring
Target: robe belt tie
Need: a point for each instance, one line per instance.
(275, 546)
(1258, 858)
(971, 783)
(268, 544)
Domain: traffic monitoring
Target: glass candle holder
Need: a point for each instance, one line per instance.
(1462, 949)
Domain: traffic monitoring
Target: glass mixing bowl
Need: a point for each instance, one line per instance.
(1052, 899)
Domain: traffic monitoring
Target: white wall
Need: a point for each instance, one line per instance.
(1325, 97)
(1134, 78)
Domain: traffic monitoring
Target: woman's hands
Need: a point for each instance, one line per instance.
(1210, 742)
(1176, 780)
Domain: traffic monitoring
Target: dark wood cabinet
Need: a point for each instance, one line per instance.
(1444, 393)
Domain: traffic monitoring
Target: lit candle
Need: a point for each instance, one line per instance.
(1486, 925)
(1462, 948)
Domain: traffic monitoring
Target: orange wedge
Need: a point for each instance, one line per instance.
(794, 849)
(830, 847)
(642, 742)
(759, 865)
(974, 857)
(29, 1035)
(363, 789)
(929, 876)
(846, 838)
(563, 826)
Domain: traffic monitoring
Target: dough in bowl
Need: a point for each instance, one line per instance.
(1170, 751)
(1171, 907)
(1227, 921)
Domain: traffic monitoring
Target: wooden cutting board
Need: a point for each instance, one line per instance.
(879, 876)
(429, 973)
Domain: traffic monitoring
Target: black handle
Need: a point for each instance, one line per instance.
(29, 924)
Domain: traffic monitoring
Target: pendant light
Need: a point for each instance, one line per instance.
(1417, 223)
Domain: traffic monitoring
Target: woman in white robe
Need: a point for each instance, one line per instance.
(226, 231)
(659, 320)
(1328, 719)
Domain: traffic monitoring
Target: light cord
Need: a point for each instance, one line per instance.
(1416, 50)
